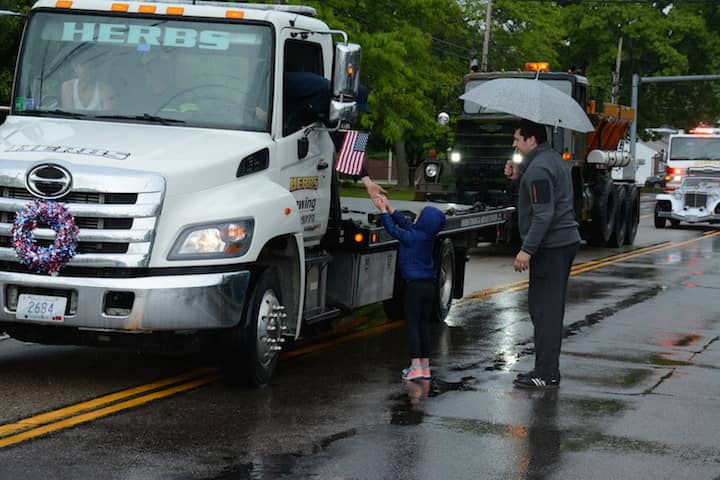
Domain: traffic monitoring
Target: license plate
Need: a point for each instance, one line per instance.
(41, 307)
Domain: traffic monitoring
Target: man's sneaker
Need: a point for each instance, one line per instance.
(537, 383)
(531, 373)
(413, 373)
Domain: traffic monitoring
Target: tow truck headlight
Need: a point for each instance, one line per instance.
(219, 240)
(455, 157)
(715, 195)
(678, 195)
(432, 170)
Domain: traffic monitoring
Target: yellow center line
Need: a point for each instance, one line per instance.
(87, 411)
(103, 412)
(54, 415)
(370, 332)
(579, 268)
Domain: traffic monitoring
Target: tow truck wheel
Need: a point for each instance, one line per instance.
(445, 274)
(633, 213)
(253, 355)
(659, 221)
(617, 238)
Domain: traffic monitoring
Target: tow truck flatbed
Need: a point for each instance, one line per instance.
(361, 217)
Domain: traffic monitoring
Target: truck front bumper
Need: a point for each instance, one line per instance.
(158, 303)
(699, 217)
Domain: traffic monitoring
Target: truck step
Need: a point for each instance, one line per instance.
(317, 315)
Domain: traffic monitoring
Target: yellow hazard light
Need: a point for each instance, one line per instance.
(703, 130)
(175, 10)
(63, 4)
(566, 156)
(147, 8)
(119, 7)
(234, 14)
(359, 238)
(537, 67)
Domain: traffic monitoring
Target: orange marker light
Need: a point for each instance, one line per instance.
(63, 4)
(119, 7)
(537, 67)
(175, 10)
(288, 210)
(234, 14)
(373, 238)
(359, 238)
(350, 70)
(147, 8)
(566, 156)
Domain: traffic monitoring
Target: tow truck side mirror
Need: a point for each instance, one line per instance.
(345, 83)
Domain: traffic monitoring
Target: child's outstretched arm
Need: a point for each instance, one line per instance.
(382, 203)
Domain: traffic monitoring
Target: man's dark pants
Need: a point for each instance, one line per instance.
(549, 272)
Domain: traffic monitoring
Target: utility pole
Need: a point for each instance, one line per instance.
(616, 75)
(486, 40)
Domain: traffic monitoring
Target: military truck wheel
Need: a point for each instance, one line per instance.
(633, 213)
(617, 238)
(252, 357)
(445, 274)
(660, 221)
(603, 212)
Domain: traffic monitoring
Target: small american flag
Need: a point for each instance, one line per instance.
(352, 153)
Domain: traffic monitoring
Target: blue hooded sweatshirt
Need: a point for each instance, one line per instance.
(416, 241)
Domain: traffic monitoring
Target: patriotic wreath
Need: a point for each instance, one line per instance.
(48, 259)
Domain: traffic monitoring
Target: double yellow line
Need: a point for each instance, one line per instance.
(44, 423)
(52, 421)
(579, 268)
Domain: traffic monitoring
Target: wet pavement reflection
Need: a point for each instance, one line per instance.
(641, 378)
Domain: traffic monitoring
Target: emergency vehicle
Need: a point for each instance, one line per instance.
(203, 203)
(698, 147)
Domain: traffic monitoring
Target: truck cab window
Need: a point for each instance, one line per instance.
(199, 74)
(301, 57)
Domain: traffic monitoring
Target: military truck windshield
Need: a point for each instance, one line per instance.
(469, 107)
(153, 70)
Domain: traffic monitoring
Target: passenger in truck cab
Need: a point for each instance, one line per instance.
(86, 92)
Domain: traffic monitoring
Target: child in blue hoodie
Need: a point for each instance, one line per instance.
(417, 269)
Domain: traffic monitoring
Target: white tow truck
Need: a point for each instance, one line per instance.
(203, 202)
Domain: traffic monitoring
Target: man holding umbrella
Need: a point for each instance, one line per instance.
(547, 225)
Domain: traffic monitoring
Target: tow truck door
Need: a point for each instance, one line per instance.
(305, 153)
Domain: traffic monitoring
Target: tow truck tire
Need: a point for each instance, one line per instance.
(617, 238)
(633, 213)
(659, 221)
(603, 212)
(445, 275)
(249, 361)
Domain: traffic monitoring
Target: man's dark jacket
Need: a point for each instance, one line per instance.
(546, 215)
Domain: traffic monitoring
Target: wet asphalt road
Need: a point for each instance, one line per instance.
(638, 400)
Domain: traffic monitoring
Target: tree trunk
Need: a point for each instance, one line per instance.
(401, 164)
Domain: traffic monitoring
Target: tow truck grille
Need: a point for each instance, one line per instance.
(695, 199)
(115, 210)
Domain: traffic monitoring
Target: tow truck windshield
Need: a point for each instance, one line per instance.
(148, 70)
